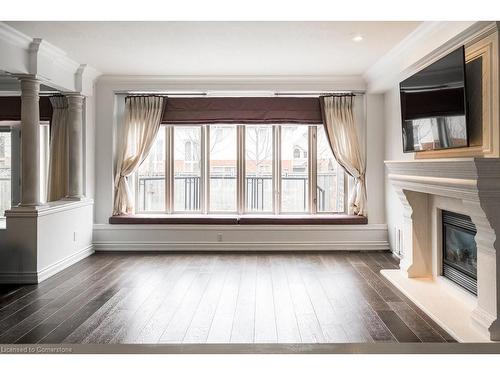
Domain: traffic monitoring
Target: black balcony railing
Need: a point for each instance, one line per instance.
(255, 187)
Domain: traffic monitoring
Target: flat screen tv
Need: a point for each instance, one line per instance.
(434, 106)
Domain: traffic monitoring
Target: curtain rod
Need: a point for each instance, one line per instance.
(135, 93)
(340, 93)
(236, 94)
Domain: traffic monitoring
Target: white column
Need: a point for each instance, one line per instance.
(30, 142)
(75, 165)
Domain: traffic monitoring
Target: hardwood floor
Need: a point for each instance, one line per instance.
(216, 298)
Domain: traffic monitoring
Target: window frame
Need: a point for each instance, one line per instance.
(241, 187)
(13, 127)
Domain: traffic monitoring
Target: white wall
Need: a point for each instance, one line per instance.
(40, 243)
(239, 237)
(375, 158)
(64, 237)
(393, 151)
(109, 109)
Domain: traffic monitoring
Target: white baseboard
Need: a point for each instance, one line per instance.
(239, 238)
(65, 262)
(24, 277)
(239, 246)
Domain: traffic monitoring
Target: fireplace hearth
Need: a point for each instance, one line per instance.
(459, 250)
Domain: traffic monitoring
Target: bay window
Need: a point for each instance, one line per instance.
(240, 169)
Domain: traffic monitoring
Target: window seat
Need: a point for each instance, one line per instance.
(333, 219)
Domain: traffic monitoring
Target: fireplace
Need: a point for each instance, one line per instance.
(459, 250)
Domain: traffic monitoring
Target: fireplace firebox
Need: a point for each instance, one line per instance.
(459, 250)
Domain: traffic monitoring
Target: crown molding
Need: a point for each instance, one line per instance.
(235, 83)
(48, 63)
(85, 78)
(426, 44)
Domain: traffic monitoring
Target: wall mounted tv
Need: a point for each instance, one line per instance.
(434, 106)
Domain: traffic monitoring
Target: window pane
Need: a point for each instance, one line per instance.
(151, 177)
(187, 171)
(330, 177)
(5, 172)
(259, 168)
(223, 168)
(294, 168)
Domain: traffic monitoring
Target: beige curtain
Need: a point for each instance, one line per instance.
(142, 121)
(58, 159)
(340, 129)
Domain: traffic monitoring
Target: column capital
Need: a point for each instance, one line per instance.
(30, 87)
(75, 101)
(27, 77)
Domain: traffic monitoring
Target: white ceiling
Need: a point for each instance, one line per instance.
(222, 48)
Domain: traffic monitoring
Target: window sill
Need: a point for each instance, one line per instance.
(331, 219)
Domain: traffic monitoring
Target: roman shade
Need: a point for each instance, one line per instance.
(10, 108)
(247, 110)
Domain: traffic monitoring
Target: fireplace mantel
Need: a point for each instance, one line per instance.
(448, 177)
(475, 183)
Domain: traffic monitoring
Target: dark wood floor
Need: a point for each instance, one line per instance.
(216, 298)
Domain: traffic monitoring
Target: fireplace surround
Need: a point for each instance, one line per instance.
(470, 186)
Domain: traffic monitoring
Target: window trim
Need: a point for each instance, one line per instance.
(241, 188)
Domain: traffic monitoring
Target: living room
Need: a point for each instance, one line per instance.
(250, 186)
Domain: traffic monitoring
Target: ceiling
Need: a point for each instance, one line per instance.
(222, 48)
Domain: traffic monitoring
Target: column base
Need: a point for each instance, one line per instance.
(34, 206)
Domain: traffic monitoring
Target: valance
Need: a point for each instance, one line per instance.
(246, 110)
(10, 108)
